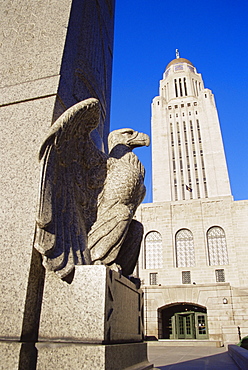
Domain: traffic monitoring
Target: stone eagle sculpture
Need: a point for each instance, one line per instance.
(87, 199)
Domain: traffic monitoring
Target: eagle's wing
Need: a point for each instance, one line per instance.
(73, 173)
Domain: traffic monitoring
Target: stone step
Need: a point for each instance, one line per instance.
(186, 343)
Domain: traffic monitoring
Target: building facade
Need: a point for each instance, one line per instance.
(194, 252)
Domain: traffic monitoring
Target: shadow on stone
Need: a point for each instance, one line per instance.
(28, 357)
(32, 310)
(69, 278)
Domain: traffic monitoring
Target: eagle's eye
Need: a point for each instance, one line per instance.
(128, 133)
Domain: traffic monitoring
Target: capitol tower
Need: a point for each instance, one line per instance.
(194, 254)
(185, 126)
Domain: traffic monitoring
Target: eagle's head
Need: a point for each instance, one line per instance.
(127, 137)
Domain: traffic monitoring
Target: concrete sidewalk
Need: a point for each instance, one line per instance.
(190, 358)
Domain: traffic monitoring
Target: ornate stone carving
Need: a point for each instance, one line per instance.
(87, 198)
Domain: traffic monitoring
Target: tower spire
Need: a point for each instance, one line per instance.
(177, 54)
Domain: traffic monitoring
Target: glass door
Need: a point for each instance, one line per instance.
(201, 325)
(185, 325)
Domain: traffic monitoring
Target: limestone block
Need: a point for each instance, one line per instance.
(98, 306)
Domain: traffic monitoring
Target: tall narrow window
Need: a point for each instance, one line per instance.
(185, 86)
(153, 250)
(176, 192)
(176, 92)
(185, 253)
(186, 277)
(202, 159)
(180, 87)
(220, 276)
(196, 87)
(217, 249)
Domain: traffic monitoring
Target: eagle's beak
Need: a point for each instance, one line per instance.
(139, 140)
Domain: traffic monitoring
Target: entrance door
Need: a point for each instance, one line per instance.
(185, 325)
(201, 325)
(183, 321)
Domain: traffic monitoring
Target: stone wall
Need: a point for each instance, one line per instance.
(198, 216)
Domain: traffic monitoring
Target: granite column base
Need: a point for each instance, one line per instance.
(73, 356)
(93, 321)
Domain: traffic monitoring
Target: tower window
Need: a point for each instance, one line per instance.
(178, 67)
(220, 276)
(153, 278)
(176, 91)
(186, 277)
(188, 104)
(206, 96)
(176, 195)
(180, 87)
(183, 190)
(185, 86)
(196, 88)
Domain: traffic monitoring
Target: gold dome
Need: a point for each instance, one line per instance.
(179, 60)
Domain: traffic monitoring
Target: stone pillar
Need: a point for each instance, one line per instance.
(53, 54)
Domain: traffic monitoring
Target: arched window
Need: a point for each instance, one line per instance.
(153, 250)
(185, 253)
(217, 249)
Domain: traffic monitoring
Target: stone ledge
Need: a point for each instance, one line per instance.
(239, 355)
(185, 342)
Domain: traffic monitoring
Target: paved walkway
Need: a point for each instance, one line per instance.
(190, 358)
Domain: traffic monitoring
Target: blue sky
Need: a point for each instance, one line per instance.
(213, 35)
